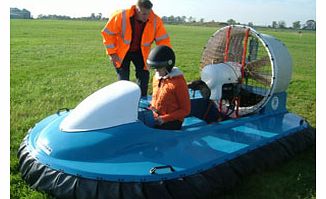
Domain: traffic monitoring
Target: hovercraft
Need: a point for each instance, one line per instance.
(106, 147)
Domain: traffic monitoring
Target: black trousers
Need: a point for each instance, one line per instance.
(172, 125)
(142, 75)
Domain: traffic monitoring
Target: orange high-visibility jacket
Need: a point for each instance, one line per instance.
(170, 97)
(117, 34)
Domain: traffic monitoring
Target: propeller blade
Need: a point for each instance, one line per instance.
(257, 63)
(261, 78)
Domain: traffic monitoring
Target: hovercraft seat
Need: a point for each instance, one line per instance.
(202, 111)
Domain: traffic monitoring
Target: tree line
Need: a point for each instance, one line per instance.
(93, 16)
(297, 25)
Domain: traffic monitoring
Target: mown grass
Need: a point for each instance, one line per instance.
(56, 64)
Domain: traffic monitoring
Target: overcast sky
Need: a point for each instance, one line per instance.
(260, 12)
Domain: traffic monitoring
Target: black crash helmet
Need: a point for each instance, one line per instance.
(161, 56)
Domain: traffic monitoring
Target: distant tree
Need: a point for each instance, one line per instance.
(310, 25)
(99, 16)
(231, 22)
(274, 24)
(183, 18)
(165, 19)
(171, 19)
(93, 16)
(250, 24)
(177, 19)
(201, 20)
(53, 17)
(190, 19)
(296, 25)
(281, 24)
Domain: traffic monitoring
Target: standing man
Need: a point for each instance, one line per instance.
(128, 36)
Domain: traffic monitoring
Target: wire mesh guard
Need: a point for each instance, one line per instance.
(243, 46)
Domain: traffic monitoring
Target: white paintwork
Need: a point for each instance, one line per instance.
(281, 62)
(216, 75)
(113, 105)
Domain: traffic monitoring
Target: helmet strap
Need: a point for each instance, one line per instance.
(165, 71)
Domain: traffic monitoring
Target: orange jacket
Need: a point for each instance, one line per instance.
(117, 34)
(171, 98)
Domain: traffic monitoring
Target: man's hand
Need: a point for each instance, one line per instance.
(114, 58)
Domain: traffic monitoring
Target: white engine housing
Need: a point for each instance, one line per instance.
(216, 75)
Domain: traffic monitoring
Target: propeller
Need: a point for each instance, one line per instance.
(261, 78)
(241, 46)
(254, 70)
(252, 65)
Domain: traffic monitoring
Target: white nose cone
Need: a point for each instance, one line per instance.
(113, 105)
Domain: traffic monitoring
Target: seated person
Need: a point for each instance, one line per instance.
(170, 99)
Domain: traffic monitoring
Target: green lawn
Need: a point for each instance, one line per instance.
(55, 64)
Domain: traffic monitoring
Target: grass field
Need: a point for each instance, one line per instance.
(55, 64)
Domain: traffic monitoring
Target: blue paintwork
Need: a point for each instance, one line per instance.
(128, 152)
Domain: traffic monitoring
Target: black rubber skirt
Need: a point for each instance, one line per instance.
(206, 184)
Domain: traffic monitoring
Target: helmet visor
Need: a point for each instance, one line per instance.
(157, 64)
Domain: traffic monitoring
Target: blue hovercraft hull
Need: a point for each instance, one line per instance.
(135, 159)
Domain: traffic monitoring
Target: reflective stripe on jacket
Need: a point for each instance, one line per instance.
(170, 96)
(117, 34)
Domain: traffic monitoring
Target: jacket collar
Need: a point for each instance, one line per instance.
(174, 73)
